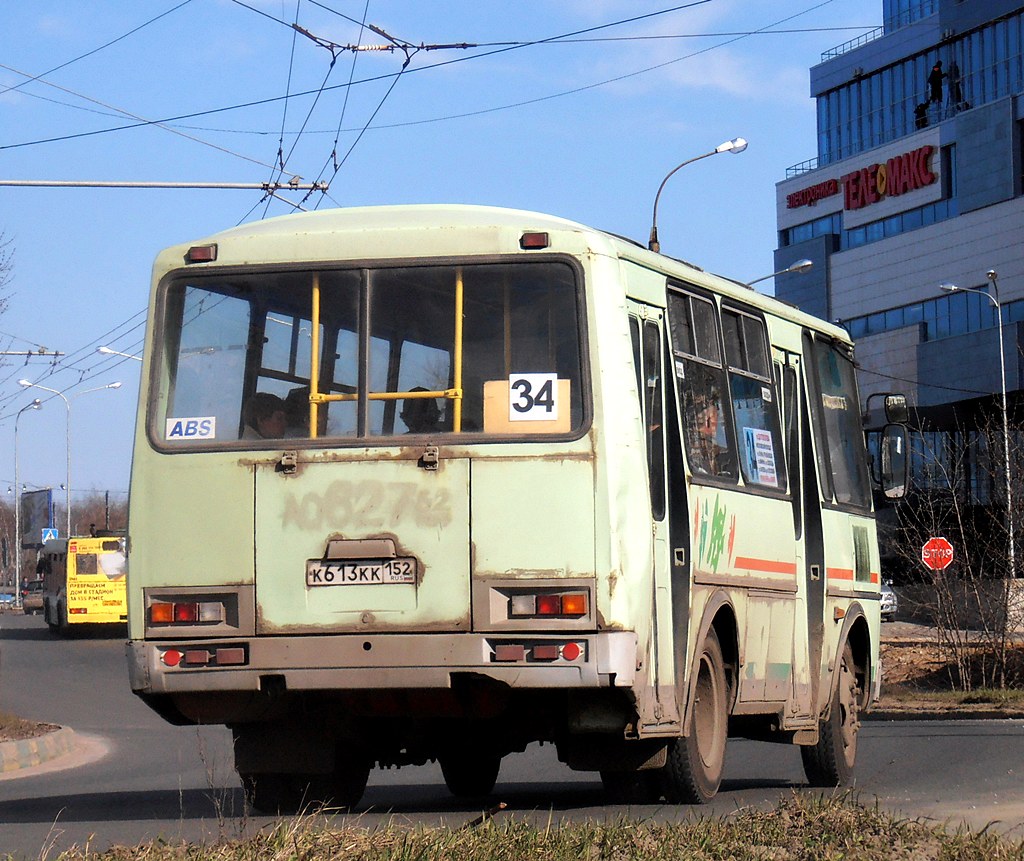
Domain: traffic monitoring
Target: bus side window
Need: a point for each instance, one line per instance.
(653, 416)
(836, 416)
(754, 404)
(701, 380)
(647, 363)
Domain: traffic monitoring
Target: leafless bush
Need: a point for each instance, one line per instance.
(961, 493)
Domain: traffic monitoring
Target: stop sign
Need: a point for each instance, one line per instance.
(937, 553)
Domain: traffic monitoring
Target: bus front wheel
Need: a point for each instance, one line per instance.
(830, 762)
(695, 763)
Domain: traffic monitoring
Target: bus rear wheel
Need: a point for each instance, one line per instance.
(695, 763)
(470, 774)
(830, 762)
(287, 793)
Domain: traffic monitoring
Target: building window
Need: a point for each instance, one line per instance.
(978, 68)
(900, 13)
(955, 314)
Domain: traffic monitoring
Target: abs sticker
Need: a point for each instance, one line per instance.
(200, 427)
(533, 397)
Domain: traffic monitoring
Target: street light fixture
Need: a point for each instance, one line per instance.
(993, 297)
(736, 145)
(804, 265)
(67, 403)
(109, 351)
(35, 405)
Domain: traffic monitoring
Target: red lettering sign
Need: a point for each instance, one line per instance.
(937, 553)
(902, 173)
(811, 195)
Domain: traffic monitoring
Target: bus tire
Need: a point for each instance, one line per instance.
(348, 783)
(62, 620)
(290, 793)
(830, 762)
(470, 774)
(693, 771)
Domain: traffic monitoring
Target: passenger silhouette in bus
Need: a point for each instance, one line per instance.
(296, 406)
(265, 417)
(421, 415)
(704, 447)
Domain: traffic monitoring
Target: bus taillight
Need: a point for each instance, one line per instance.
(185, 612)
(548, 604)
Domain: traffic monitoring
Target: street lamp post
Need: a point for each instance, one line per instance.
(804, 265)
(35, 405)
(736, 145)
(67, 404)
(994, 299)
(110, 351)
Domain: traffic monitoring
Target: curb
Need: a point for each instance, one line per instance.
(30, 752)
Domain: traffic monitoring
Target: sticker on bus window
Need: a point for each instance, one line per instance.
(189, 428)
(527, 404)
(533, 398)
(760, 450)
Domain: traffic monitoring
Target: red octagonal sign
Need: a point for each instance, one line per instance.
(937, 553)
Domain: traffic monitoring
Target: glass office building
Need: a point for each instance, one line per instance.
(917, 182)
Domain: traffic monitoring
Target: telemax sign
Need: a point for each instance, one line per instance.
(902, 173)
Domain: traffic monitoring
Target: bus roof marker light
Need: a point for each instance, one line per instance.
(202, 254)
(534, 240)
(736, 145)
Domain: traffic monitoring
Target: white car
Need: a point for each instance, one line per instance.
(890, 603)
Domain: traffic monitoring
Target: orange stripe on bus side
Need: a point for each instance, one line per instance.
(847, 574)
(766, 565)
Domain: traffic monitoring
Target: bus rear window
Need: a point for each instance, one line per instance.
(419, 350)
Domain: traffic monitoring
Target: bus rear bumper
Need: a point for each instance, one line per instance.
(393, 661)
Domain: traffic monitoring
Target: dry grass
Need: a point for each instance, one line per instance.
(801, 827)
(918, 677)
(14, 728)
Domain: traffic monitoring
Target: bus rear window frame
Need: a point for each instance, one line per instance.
(153, 423)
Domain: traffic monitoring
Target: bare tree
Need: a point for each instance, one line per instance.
(6, 268)
(960, 494)
(96, 511)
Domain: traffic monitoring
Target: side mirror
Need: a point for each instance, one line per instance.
(895, 462)
(896, 410)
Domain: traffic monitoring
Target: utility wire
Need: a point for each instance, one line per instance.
(344, 106)
(278, 171)
(120, 38)
(143, 122)
(920, 383)
(272, 99)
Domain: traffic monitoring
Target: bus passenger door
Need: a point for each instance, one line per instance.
(803, 481)
(647, 333)
(807, 509)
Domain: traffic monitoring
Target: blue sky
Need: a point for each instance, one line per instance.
(584, 128)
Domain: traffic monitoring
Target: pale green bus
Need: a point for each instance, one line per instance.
(419, 483)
